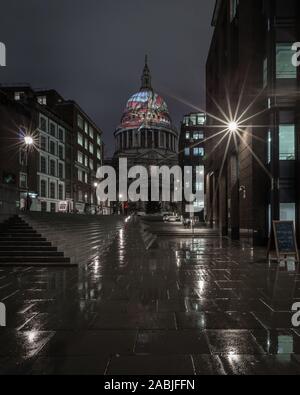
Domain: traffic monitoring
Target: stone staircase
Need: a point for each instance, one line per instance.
(21, 244)
(83, 238)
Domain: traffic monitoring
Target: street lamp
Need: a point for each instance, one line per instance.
(233, 126)
(28, 141)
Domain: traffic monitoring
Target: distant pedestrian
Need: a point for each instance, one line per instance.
(28, 203)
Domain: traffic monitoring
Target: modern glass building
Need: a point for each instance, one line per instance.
(252, 80)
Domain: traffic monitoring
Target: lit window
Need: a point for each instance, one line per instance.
(91, 148)
(98, 139)
(80, 157)
(288, 212)
(23, 180)
(233, 8)
(186, 151)
(42, 100)
(99, 154)
(287, 142)
(265, 73)
(19, 95)
(91, 132)
(198, 151)
(80, 121)
(80, 139)
(86, 127)
(284, 67)
(269, 146)
(187, 136)
(201, 119)
(198, 136)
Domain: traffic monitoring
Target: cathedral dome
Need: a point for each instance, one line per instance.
(145, 108)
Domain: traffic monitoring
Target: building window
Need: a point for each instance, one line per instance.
(80, 196)
(91, 132)
(80, 122)
(19, 96)
(23, 180)
(284, 67)
(265, 73)
(52, 130)
(98, 139)
(60, 171)
(43, 124)
(198, 136)
(233, 9)
(269, 146)
(91, 164)
(44, 207)
(187, 152)
(91, 148)
(80, 139)
(98, 154)
(86, 161)
(287, 142)
(52, 168)
(43, 143)
(60, 192)
(42, 100)
(61, 135)
(198, 151)
(201, 119)
(43, 165)
(187, 135)
(79, 175)
(43, 189)
(86, 127)
(52, 148)
(52, 190)
(80, 157)
(288, 212)
(61, 152)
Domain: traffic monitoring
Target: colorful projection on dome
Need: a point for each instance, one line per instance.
(145, 109)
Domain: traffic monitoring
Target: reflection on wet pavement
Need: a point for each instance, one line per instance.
(203, 306)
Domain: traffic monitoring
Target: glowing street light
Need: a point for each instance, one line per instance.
(28, 140)
(233, 126)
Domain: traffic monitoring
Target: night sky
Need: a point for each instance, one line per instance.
(92, 51)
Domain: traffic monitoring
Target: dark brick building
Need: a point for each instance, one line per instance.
(250, 72)
(59, 171)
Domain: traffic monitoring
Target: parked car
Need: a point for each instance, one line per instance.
(141, 214)
(174, 218)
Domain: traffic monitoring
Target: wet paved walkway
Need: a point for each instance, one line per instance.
(188, 307)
